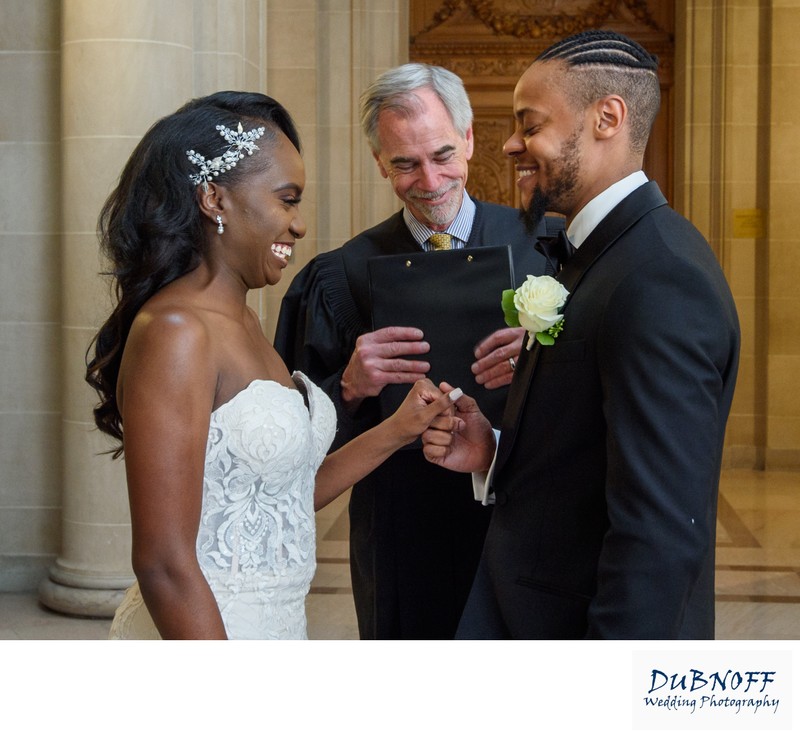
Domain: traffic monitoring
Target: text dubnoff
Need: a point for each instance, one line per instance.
(705, 690)
(731, 690)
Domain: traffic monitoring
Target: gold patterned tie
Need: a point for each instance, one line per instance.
(441, 241)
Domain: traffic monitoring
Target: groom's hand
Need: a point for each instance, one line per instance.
(460, 441)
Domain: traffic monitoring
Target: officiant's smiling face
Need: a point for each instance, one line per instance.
(425, 158)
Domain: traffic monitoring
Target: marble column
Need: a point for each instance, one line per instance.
(123, 66)
(320, 58)
(783, 267)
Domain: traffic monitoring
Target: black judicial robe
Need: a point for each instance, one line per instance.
(416, 532)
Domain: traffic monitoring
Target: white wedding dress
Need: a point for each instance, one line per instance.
(257, 538)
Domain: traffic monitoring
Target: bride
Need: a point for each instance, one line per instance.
(225, 450)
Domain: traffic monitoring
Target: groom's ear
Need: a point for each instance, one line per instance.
(610, 116)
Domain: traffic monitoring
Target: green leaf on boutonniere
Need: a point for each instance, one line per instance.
(510, 312)
(548, 337)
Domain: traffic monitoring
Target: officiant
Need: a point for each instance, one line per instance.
(416, 532)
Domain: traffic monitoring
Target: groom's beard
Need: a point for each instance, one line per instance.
(564, 177)
(533, 214)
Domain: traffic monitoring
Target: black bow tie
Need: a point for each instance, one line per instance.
(557, 250)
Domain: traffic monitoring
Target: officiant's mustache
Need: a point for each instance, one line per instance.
(439, 213)
(437, 194)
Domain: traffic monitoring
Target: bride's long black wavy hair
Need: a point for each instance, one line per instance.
(151, 228)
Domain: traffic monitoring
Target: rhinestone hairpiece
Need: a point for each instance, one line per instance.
(239, 144)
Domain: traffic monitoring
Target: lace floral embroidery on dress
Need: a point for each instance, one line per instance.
(256, 541)
(258, 506)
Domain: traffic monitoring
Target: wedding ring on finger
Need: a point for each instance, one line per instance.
(512, 362)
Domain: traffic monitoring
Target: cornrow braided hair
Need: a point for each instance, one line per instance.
(601, 47)
(601, 63)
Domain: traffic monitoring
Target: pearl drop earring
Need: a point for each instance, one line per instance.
(220, 227)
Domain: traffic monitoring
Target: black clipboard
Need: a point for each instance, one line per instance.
(454, 297)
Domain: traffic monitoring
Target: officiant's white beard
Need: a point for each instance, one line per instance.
(443, 214)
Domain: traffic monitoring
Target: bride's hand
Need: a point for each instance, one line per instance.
(464, 442)
(424, 404)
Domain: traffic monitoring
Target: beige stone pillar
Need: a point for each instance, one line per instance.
(124, 64)
(783, 268)
(380, 41)
(719, 168)
(319, 59)
(736, 179)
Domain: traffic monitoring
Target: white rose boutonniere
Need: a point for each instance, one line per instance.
(535, 306)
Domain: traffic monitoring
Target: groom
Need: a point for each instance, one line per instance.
(606, 475)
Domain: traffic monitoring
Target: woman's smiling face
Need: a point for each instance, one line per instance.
(263, 216)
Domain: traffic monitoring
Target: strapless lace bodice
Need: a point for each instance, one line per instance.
(256, 541)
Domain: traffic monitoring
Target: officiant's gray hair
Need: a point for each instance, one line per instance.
(394, 90)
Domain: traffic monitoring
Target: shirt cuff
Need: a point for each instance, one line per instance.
(482, 481)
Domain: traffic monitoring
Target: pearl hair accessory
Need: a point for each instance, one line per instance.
(239, 144)
(220, 227)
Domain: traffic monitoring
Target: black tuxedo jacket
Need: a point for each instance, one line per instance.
(607, 469)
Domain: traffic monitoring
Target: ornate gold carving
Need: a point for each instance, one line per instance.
(490, 172)
(590, 14)
(483, 66)
(511, 63)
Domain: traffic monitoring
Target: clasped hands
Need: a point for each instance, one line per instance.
(454, 432)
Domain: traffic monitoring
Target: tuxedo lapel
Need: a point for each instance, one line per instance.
(628, 212)
(640, 202)
(516, 400)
